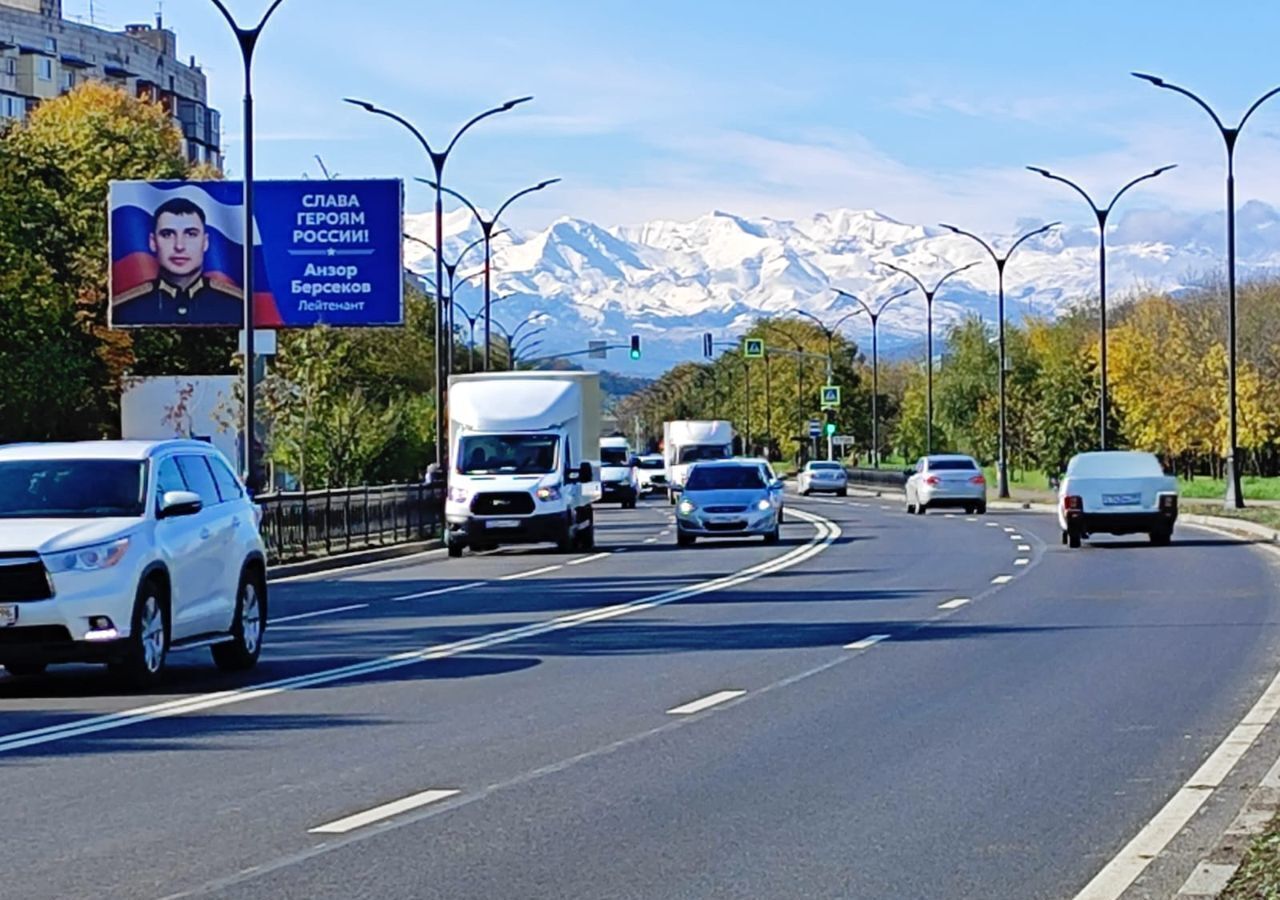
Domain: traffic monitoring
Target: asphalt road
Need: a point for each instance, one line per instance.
(506, 721)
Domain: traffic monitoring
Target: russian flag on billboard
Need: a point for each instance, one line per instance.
(133, 205)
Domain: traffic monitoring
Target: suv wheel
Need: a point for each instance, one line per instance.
(242, 651)
(148, 645)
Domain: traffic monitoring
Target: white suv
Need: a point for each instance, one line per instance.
(120, 551)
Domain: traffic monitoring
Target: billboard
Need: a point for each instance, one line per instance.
(324, 252)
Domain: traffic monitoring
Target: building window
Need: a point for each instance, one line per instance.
(68, 79)
(44, 68)
(12, 107)
(51, 45)
(10, 66)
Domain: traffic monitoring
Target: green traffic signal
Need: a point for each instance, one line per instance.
(635, 346)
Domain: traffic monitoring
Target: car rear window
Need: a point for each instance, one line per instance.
(936, 465)
(825, 466)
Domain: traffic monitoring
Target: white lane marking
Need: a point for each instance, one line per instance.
(949, 516)
(1016, 537)
(1021, 562)
(386, 811)
(652, 540)
(620, 550)
(665, 531)
(826, 533)
(587, 559)
(971, 518)
(318, 612)
(453, 588)
(993, 524)
(1002, 579)
(707, 702)
(886, 507)
(1024, 548)
(1010, 530)
(868, 641)
(954, 604)
(340, 570)
(1117, 875)
(518, 575)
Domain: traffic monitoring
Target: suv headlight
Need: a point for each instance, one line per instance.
(764, 504)
(88, 559)
(550, 492)
(458, 495)
(686, 507)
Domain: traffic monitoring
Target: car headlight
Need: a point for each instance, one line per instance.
(550, 492)
(686, 508)
(764, 504)
(89, 559)
(457, 495)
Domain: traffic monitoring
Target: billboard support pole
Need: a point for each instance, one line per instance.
(247, 38)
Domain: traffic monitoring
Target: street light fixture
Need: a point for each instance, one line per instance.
(1234, 498)
(1002, 466)
(438, 159)
(247, 39)
(928, 302)
(874, 315)
(1101, 213)
(514, 334)
(451, 274)
(486, 228)
(472, 321)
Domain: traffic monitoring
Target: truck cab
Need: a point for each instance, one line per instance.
(524, 460)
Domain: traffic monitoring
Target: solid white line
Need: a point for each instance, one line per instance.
(826, 533)
(518, 575)
(954, 604)
(586, 559)
(1024, 548)
(438, 591)
(868, 641)
(707, 702)
(386, 811)
(1021, 562)
(1117, 875)
(319, 612)
(1002, 579)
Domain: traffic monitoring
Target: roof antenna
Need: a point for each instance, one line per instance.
(159, 14)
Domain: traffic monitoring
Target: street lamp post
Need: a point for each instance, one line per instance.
(874, 315)
(831, 334)
(928, 303)
(486, 229)
(1002, 466)
(438, 159)
(451, 275)
(746, 372)
(1101, 213)
(1234, 498)
(247, 39)
(514, 334)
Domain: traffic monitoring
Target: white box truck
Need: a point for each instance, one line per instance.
(524, 451)
(686, 441)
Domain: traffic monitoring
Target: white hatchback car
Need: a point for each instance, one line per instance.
(120, 551)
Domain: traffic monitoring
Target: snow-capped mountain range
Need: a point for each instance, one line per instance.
(672, 281)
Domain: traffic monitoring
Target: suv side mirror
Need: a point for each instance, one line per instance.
(179, 503)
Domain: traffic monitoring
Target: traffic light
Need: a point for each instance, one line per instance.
(829, 426)
(707, 346)
(635, 346)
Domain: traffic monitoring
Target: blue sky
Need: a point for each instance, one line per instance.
(925, 111)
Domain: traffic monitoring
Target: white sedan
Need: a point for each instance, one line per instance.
(1117, 492)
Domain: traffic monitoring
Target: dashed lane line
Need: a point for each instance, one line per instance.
(386, 811)
(869, 641)
(586, 559)
(453, 588)
(516, 576)
(319, 612)
(1002, 579)
(1022, 561)
(955, 604)
(697, 706)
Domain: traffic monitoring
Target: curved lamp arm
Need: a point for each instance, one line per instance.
(985, 246)
(510, 104)
(1139, 180)
(1161, 83)
(1030, 234)
(379, 111)
(896, 296)
(861, 302)
(516, 196)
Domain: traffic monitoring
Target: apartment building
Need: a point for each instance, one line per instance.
(43, 55)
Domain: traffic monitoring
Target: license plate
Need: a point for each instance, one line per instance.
(1121, 499)
(502, 523)
(8, 616)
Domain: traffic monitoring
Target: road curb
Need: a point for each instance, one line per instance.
(346, 560)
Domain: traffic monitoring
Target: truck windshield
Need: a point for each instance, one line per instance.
(614, 456)
(72, 488)
(703, 451)
(521, 454)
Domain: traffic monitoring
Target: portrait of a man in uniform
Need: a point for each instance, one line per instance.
(181, 294)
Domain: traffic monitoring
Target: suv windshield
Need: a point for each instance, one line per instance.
(724, 478)
(521, 454)
(72, 488)
(614, 456)
(703, 451)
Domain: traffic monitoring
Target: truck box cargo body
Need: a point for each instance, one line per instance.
(686, 441)
(524, 459)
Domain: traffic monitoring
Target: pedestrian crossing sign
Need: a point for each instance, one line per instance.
(830, 396)
(753, 348)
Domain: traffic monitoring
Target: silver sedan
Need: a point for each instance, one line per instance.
(726, 498)
(819, 476)
(949, 480)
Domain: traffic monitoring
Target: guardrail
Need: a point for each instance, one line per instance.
(881, 478)
(298, 525)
